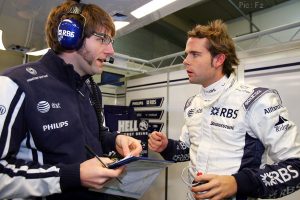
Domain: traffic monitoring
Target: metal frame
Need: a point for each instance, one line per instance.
(175, 60)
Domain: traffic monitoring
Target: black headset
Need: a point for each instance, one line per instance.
(70, 32)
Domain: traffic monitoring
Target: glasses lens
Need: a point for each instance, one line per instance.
(106, 39)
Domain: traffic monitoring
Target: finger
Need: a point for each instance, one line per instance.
(155, 136)
(125, 148)
(204, 177)
(123, 145)
(206, 186)
(136, 148)
(154, 144)
(151, 146)
(213, 193)
(107, 174)
(153, 133)
(113, 173)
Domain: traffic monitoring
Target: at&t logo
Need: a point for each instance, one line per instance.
(43, 106)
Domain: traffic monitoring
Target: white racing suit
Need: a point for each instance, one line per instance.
(230, 128)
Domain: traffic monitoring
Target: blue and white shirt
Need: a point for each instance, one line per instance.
(46, 119)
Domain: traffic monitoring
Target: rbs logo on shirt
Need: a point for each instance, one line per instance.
(66, 33)
(224, 112)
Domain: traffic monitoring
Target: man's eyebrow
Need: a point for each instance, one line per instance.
(194, 52)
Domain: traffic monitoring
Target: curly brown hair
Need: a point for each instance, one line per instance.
(95, 17)
(219, 41)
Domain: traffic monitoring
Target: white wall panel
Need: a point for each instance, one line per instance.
(140, 91)
(179, 92)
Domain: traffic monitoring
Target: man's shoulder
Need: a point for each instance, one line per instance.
(256, 94)
(21, 70)
(24, 72)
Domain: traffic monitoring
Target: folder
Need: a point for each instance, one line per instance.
(139, 174)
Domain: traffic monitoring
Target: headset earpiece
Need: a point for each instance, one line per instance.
(71, 28)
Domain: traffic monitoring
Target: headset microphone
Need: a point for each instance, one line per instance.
(110, 60)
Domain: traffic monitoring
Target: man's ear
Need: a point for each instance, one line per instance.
(219, 60)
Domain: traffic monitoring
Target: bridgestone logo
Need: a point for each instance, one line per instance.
(221, 125)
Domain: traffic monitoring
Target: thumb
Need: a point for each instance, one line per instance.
(125, 149)
(124, 145)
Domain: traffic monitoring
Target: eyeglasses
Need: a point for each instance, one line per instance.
(105, 39)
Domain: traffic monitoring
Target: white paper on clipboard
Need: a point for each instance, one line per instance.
(137, 178)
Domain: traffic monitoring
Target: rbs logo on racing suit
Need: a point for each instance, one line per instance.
(224, 112)
(282, 175)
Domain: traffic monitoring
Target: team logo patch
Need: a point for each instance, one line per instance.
(224, 112)
(221, 125)
(281, 125)
(31, 70)
(43, 106)
(281, 175)
(257, 93)
(188, 102)
(53, 126)
(190, 112)
(2, 110)
(272, 109)
(210, 91)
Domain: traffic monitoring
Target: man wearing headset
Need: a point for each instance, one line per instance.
(230, 127)
(51, 111)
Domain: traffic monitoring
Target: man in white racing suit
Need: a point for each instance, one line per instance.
(230, 127)
(51, 113)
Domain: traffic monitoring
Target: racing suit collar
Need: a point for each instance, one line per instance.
(63, 71)
(214, 89)
(212, 93)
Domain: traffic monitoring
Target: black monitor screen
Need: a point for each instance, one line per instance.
(109, 78)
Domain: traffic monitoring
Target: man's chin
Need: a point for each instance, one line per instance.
(98, 70)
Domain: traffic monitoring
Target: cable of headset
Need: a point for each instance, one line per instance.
(96, 98)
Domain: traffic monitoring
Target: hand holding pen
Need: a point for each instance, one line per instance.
(94, 175)
(90, 150)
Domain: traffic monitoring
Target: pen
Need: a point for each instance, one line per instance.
(98, 158)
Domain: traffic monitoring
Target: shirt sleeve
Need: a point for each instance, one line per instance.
(20, 178)
(108, 140)
(269, 121)
(176, 151)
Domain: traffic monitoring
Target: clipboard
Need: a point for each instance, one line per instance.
(128, 159)
(138, 176)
